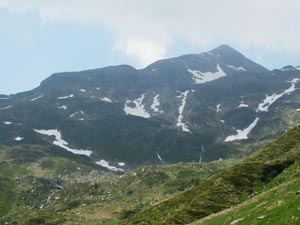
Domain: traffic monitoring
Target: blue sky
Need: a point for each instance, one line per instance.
(39, 38)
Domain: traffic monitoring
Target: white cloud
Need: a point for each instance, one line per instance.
(145, 27)
(144, 52)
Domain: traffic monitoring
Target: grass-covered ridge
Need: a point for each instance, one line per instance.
(228, 188)
(278, 205)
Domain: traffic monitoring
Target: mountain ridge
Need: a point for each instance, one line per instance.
(170, 108)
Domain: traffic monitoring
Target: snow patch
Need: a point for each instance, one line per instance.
(240, 69)
(200, 77)
(158, 156)
(242, 134)
(155, 105)
(222, 121)
(298, 110)
(121, 164)
(65, 97)
(7, 107)
(62, 107)
(34, 99)
(138, 109)
(82, 90)
(236, 221)
(19, 139)
(7, 122)
(106, 99)
(75, 113)
(97, 88)
(269, 100)
(243, 105)
(105, 164)
(218, 108)
(180, 122)
(62, 143)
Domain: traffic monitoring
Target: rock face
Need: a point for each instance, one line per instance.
(170, 108)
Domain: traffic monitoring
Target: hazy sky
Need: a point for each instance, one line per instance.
(40, 37)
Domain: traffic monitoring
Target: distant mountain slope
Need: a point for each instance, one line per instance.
(199, 107)
(229, 187)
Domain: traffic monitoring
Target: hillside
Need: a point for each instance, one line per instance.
(37, 187)
(278, 205)
(227, 188)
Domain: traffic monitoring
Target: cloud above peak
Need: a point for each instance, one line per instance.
(145, 29)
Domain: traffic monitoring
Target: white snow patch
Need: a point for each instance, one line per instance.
(7, 107)
(62, 107)
(242, 134)
(269, 100)
(237, 68)
(121, 164)
(200, 77)
(106, 99)
(298, 110)
(158, 156)
(180, 122)
(155, 105)
(105, 164)
(62, 143)
(7, 123)
(34, 99)
(261, 217)
(65, 97)
(243, 105)
(218, 108)
(222, 121)
(138, 110)
(19, 139)
(97, 88)
(236, 221)
(82, 90)
(75, 113)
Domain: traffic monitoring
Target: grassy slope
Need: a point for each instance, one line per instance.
(277, 206)
(228, 188)
(89, 195)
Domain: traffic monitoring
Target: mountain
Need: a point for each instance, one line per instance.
(198, 107)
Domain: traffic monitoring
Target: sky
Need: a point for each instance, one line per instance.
(42, 37)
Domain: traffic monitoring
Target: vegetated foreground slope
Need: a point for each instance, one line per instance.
(39, 186)
(278, 205)
(228, 188)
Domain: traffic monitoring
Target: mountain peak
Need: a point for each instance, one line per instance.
(226, 50)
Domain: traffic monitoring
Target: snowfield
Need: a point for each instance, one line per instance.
(138, 109)
(155, 105)
(65, 97)
(180, 119)
(242, 134)
(200, 77)
(269, 100)
(34, 99)
(105, 164)
(62, 143)
(106, 99)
